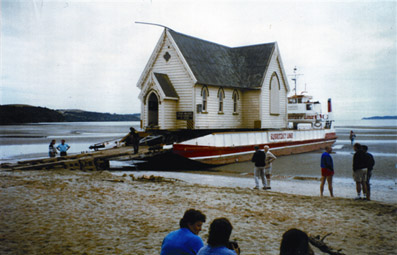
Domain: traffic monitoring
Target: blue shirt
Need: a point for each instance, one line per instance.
(326, 161)
(63, 147)
(181, 242)
(216, 250)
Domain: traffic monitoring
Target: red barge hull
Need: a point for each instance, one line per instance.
(226, 148)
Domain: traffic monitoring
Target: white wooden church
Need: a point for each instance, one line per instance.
(190, 83)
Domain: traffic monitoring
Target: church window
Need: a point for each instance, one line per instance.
(274, 95)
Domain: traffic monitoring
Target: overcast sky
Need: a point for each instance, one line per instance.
(89, 55)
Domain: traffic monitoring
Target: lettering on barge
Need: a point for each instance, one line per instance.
(281, 136)
(184, 115)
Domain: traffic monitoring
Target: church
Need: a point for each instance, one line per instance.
(191, 83)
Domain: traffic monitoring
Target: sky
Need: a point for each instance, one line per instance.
(89, 55)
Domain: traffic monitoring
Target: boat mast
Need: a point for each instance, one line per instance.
(295, 78)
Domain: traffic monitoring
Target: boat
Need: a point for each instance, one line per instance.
(304, 135)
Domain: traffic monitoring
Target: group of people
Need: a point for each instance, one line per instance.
(363, 164)
(263, 166)
(62, 148)
(186, 241)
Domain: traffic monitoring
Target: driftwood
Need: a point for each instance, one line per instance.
(319, 243)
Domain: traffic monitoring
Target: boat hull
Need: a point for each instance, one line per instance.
(227, 148)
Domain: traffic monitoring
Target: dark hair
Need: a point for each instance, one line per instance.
(295, 241)
(364, 148)
(357, 146)
(220, 231)
(191, 216)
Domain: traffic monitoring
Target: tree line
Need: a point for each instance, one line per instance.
(19, 114)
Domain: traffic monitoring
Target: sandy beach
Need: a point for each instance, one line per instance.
(73, 212)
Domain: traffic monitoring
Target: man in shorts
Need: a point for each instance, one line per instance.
(360, 170)
(327, 171)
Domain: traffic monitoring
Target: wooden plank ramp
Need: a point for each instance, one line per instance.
(89, 161)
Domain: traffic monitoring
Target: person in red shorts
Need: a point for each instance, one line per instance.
(327, 170)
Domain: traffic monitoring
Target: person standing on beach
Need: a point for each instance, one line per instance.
(370, 167)
(218, 239)
(185, 240)
(52, 151)
(132, 138)
(352, 136)
(63, 148)
(327, 170)
(360, 170)
(268, 167)
(259, 169)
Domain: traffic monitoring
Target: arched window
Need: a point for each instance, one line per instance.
(205, 94)
(274, 94)
(221, 96)
(235, 101)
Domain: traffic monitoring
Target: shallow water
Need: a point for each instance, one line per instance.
(382, 190)
(18, 142)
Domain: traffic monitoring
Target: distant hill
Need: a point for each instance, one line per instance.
(18, 114)
(78, 115)
(380, 118)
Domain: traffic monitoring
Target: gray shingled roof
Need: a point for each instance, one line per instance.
(166, 85)
(215, 64)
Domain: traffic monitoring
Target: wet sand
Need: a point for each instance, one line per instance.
(73, 212)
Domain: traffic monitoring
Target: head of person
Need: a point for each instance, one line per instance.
(53, 142)
(220, 231)
(328, 149)
(364, 148)
(357, 147)
(266, 148)
(295, 242)
(193, 220)
(256, 148)
(63, 141)
(132, 129)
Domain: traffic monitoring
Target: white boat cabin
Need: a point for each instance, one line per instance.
(190, 83)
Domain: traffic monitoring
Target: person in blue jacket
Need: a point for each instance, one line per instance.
(185, 241)
(218, 239)
(327, 171)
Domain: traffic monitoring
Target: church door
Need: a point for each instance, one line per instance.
(153, 110)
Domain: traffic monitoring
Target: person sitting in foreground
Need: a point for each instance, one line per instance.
(185, 240)
(218, 239)
(295, 242)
